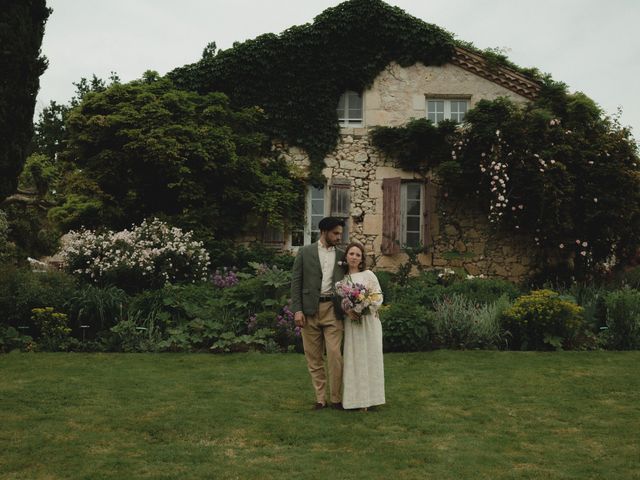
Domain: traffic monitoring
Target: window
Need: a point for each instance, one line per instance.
(273, 236)
(411, 214)
(314, 212)
(447, 109)
(317, 207)
(350, 109)
(405, 206)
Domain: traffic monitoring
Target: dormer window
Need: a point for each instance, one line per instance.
(350, 109)
(439, 109)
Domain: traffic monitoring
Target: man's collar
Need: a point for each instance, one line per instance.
(322, 245)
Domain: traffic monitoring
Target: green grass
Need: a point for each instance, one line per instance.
(450, 415)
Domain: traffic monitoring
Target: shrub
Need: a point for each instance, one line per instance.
(542, 321)
(98, 307)
(5, 246)
(148, 256)
(54, 330)
(484, 290)
(12, 339)
(460, 322)
(631, 277)
(406, 327)
(21, 290)
(623, 319)
(423, 289)
(226, 253)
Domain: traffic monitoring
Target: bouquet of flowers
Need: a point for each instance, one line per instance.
(355, 296)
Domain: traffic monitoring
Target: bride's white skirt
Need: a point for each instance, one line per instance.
(363, 371)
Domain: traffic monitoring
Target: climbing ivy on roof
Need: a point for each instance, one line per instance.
(297, 77)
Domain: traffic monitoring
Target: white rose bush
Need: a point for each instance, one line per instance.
(152, 254)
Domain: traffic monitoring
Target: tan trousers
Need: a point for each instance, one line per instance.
(323, 330)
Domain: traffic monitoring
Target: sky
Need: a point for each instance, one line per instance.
(591, 45)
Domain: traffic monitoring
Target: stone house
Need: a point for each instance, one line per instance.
(385, 207)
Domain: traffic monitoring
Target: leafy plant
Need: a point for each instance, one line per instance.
(623, 319)
(406, 327)
(309, 63)
(542, 320)
(54, 329)
(461, 323)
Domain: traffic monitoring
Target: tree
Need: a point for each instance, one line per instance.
(148, 149)
(21, 30)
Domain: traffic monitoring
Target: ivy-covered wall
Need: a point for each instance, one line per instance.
(297, 77)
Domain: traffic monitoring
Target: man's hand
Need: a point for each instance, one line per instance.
(299, 319)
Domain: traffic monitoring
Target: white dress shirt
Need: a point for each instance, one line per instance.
(327, 261)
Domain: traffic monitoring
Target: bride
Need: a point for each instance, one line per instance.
(363, 372)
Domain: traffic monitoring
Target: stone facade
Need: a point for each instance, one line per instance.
(461, 236)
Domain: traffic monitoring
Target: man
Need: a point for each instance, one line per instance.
(317, 310)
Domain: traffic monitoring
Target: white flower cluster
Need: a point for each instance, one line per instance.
(496, 170)
(152, 250)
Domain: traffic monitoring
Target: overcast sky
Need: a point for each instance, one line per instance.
(591, 45)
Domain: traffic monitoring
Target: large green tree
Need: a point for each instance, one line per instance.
(148, 149)
(21, 30)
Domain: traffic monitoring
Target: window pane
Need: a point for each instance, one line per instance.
(413, 191)
(297, 238)
(317, 207)
(413, 239)
(435, 106)
(413, 208)
(355, 100)
(341, 103)
(317, 193)
(315, 235)
(413, 224)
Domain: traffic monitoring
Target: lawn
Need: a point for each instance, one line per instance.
(450, 415)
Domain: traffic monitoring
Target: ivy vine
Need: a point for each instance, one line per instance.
(557, 170)
(297, 77)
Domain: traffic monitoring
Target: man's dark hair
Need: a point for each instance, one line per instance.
(329, 223)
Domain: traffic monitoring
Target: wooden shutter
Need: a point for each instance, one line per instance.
(340, 197)
(428, 214)
(390, 216)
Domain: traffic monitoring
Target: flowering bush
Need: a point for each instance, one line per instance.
(543, 320)
(224, 278)
(149, 255)
(54, 330)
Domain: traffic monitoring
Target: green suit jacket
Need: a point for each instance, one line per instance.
(306, 280)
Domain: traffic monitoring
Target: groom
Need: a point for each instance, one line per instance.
(318, 312)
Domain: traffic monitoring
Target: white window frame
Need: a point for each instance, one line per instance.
(404, 212)
(446, 112)
(344, 114)
(310, 234)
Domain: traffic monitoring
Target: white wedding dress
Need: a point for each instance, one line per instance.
(363, 371)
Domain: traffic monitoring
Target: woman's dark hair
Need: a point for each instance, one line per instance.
(329, 223)
(363, 263)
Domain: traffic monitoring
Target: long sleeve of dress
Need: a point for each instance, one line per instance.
(374, 287)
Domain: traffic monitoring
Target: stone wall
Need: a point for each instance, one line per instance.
(462, 236)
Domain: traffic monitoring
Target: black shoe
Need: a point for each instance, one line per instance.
(319, 406)
(337, 406)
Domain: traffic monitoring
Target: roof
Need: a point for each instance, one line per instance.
(504, 76)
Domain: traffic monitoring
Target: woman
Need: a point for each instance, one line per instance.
(363, 372)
